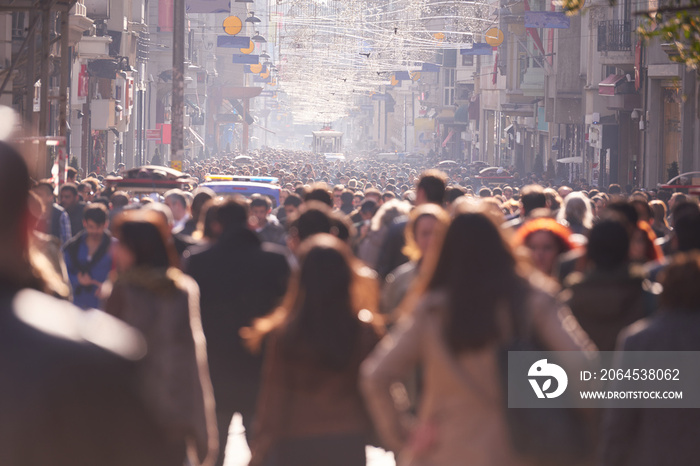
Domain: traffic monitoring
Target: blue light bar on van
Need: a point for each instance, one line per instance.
(250, 179)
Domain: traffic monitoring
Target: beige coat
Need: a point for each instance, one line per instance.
(469, 422)
(174, 375)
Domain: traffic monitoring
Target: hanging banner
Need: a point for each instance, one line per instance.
(165, 15)
(547, 20)
(234, 42)
(246, 59)
(207, 6)
(478, 49)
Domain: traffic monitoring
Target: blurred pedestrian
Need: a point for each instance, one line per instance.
(150, 293)
(650, 437)
(310, 411)
(576, 213)
(455, 331)
(55, 221)
(67, 391)
(87, 257)
(68, 197)
(609, 295)
(425, 223)
(545, 240)
(238, 282)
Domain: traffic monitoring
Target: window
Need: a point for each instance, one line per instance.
(19, 25)
(467, 60)
(449, 86)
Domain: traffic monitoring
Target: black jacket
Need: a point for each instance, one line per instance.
(67, 389)
(238, 282)
(653, 437)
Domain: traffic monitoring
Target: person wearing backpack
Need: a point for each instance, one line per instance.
(87, 257)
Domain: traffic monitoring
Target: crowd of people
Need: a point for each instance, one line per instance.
(369, 306)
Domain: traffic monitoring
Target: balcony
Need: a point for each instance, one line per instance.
(615, 36)
(78, 22)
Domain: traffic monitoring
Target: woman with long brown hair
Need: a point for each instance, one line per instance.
(151, 294)
(464, 316)
(310, 411)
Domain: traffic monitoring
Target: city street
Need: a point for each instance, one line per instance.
(238, 454)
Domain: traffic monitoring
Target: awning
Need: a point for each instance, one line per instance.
(462, 114)
(196, 136)
(608, 85)
(446, 114)
(578, 159)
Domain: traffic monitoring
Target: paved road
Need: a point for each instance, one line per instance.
(237, 453)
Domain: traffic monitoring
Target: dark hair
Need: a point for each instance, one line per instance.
(146, 235)
(497, 192)
(232, 213)
(316, 218)
(71, 172)
(85, 186)
(102, 200)
(453, 193)
(207, 218)
(95, 212)
(322, 324)
(293, 200)
(680, 283)
(532, 197)
(346, 197)
(433, 183)
(476, 268)
(608, 244)
(643, 209)
(120, 199)
(258, 200)
(203, 196)
(301, 191)
(614, 189)
(341, 227)
(368, 206)
(485, 192)
(69, 187)
(686, 218)
(14, 188)
(626, 210)
(321, 195)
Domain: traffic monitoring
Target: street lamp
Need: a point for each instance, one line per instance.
(252, 18)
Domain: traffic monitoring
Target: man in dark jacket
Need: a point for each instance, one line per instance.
(238, 281)
(68, 390)
(608, 296)
(650, 437)
(73, 206)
